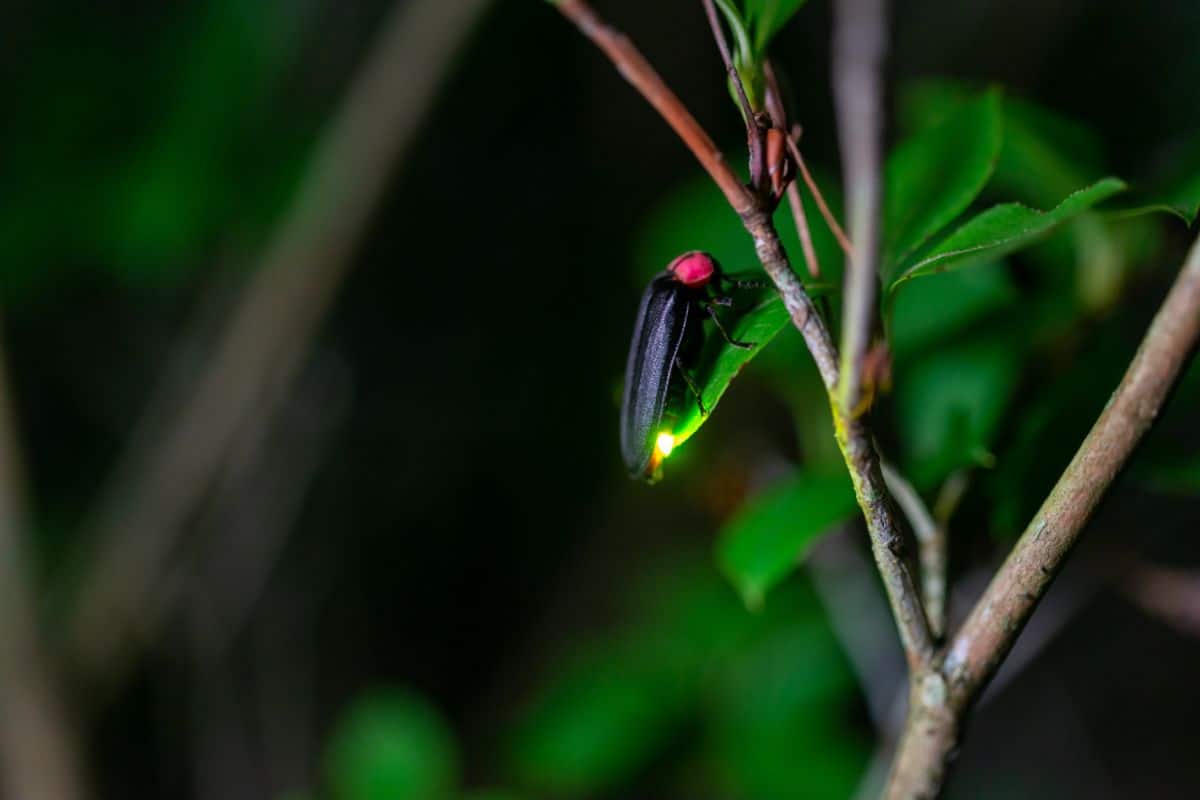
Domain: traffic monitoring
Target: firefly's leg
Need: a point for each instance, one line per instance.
(712, 312)
(691, 384)
(743, 283)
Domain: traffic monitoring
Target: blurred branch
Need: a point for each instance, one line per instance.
(854, 439)
(159, 485)
(1172, 595)
(858, 614)
(261, 499)
(985, 639)
(931, 546)
(38, 754)
(859, 44)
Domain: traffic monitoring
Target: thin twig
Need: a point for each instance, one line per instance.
(830, 220)
(997, 619)
(950, 495)
(634, 68)
(858, 450)
(723, 48)
(931, 546)
(794, 131)
(779, 118)
(142, 515)
(987, 636)
(859, 43)
(38, 753)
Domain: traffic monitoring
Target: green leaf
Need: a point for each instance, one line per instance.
(1178, 195)
(600, 720)
(1044, 155)
(766, 18)
(933, 177)
(949, 405)
(925, 313)
(766, 541)
(697, 217)
(1001, 230)
(392, 745)
(778, 723)
(720, 362)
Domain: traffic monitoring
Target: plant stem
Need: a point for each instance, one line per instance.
(853, 436)
(931, 546)
(39, 756)
(634, 68)
(779, 118)
(997, 618)
(975, 653)
(858, 52)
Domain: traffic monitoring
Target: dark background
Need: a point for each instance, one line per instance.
(444, 478)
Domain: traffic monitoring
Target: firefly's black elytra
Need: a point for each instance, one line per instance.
(666, 338)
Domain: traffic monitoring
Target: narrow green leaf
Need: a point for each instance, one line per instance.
(933, 177)
(719, 362)
(696, 217)
(767, 540)
(392, 745)
(1001, 230)
(767, 17)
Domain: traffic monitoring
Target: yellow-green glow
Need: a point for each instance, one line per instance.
(665, 444)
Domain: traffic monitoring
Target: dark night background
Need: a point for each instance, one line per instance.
(440, 490)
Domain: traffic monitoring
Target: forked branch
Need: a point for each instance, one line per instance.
(975, 653)
(858, 450)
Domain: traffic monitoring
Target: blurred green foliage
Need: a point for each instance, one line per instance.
(171, 176)
(699, 691)
(752, 698)
(755, 702)
(392, 745)
(934, 175)
(762, 544)
(961, 337)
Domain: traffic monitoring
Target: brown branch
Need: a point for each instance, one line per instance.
(997, 619)
(987, 636)
(778, 111)
(753, 132)
(796, 203)
(779, 118)
(859, 43)
(634, 68)
(830, 219)
(755, 142)
(931, 547)
(858, 450)
(39, 757)
(159, 485)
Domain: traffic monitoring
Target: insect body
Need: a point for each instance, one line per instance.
(666, 338)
